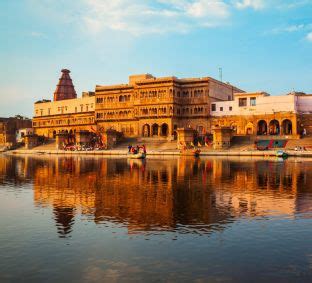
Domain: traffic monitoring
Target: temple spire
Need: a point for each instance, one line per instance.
(65, 88)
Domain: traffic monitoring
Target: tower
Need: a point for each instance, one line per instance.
(65, 88)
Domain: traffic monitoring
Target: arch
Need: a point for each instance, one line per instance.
(274, 127)
(164, 129)
(287, 127)
(146, 130)
(233, 126)
(155, 130)
(249, 129)
(262, 128)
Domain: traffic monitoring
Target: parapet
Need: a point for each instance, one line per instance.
(136, 78)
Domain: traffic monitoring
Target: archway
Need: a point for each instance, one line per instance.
(249, 130)
(146, 132)
(164, 130)
(262, 127)
(155, 130)
(287, 127)
(234, 128)
(274, 127)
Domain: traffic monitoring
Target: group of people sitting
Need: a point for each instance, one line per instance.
(137, 149)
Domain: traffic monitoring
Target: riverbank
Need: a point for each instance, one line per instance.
(163, 152)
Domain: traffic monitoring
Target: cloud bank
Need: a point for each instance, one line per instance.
(139, 17)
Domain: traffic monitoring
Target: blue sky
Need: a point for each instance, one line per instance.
(260, 44)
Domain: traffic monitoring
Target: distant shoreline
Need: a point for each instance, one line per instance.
(251, 153)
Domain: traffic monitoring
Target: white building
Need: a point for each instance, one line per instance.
(261, 103)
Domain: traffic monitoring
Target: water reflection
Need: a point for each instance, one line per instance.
(182, 195)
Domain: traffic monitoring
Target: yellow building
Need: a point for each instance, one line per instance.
(153, 107)
(156, 107)
(67, 113)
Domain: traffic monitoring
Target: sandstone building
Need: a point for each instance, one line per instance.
(9, 128)
(67, 113)
(156, 107)
(151, 107)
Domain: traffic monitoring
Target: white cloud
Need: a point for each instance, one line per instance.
(309, 36)
(209, 9)
(291, 4)
(36, 34)
(289, 29)
(254, 4)
(139, 17)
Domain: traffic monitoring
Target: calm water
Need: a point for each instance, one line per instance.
(78, 219)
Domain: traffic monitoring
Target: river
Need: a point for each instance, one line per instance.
(97, 219)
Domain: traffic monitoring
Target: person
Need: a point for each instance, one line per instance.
(304, 132)
(129, 147)
(144, 148)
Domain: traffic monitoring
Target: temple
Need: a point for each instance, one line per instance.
(150, 107)
(65, 88)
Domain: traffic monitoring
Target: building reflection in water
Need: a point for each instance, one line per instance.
(185, 194)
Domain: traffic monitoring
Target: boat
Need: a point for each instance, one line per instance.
(139, 155)
(281, 153)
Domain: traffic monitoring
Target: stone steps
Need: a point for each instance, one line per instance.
(304, 142)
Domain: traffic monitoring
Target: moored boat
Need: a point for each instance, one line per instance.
(281, 153)
(139, 155)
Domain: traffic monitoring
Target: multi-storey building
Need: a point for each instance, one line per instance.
(67, 113)
(155, 107)
(262, 114)
(9, 128)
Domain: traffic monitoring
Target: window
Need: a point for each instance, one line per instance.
(230, 108)
(213, 107)
(252, 101)
(242, 102)
(221, 108)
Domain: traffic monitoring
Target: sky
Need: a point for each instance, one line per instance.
(261, 45)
